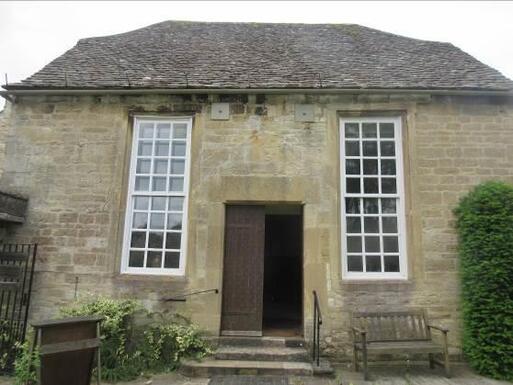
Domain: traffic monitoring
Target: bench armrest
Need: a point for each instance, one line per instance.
(358, 330)
(440, 328)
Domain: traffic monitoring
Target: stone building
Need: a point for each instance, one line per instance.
(262, 160)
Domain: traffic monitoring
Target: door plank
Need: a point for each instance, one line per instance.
(243, 270)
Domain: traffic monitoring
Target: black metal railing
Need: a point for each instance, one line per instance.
(16, 275)
(183, 297)
(317, 322)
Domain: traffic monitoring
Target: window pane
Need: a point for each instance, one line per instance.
(158, 203)
(154, 259)
(159, 183)
(180, 131)
(370, 148)
(352, 166)
(173, 240)
(138, 239)
(373, 263)
(352, 148)
(172, 260)
(370, 166)
(143, 166)
(371, 224)
(352, 130)
(388, 167)
(136, 259)
(141, 203)
(354, 263)
(369, 130)
(387, 148)
(162, 148)
(140, 221)
(391, 263)
(144, 148)
(386, 130)
(177, 166)
(156, 240)
(372, 244)
(174, 221)
(354, 244)
(353, 185)
(175, 184)
(160, 166)
(178, 149)
(389, 224)
(371, 206)
(354, 225)
(175, 203)
(388, 186)
(370, 185)
(163, 130)
(142, 183)
(146, 130)
(390, 244)
(157, 221)
(353, 205)
(388, 205)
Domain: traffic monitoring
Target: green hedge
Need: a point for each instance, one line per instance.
(485, 227)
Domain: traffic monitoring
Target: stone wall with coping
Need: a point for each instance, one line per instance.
(70, 156)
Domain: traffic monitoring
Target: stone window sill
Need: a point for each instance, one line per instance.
(377, 285)
(130, 277)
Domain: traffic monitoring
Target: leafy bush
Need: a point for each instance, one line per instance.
(117, 363)
(26, 365)
(485, 226)
(130, 349)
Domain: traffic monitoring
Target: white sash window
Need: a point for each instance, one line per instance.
(373, 228)
(156, 215)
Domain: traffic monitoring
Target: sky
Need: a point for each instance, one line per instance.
(34, 33)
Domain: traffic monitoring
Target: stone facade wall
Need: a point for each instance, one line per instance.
(70, 156)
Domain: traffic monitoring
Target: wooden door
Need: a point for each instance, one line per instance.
(243, 271)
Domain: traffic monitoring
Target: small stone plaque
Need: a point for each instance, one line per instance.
(304, 112)
(220, 111)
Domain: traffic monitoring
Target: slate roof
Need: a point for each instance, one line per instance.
(176, 54)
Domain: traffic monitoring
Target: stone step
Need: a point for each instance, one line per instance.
(213, 367)
(262, 353)
(290, 342)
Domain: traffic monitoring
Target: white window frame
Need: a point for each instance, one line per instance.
(401, 218)
(180, 271)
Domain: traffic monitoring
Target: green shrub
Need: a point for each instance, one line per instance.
(26, 365)
(485, 227)
(130, 349)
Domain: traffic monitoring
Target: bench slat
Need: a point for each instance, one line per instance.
(393, 347)
(394, 326)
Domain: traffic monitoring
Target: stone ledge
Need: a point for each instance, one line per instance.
(385, 285)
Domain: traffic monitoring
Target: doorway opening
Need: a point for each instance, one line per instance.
(283, 268)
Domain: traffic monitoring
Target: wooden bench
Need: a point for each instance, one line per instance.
(396, 332)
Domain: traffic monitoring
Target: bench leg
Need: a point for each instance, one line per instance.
(365, 364)
(446, 357)
(356, 367)
(446, 365)
(431, 361)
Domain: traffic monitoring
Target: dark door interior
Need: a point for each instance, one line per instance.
(262, 272)
(283, 279)
(243, 270)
